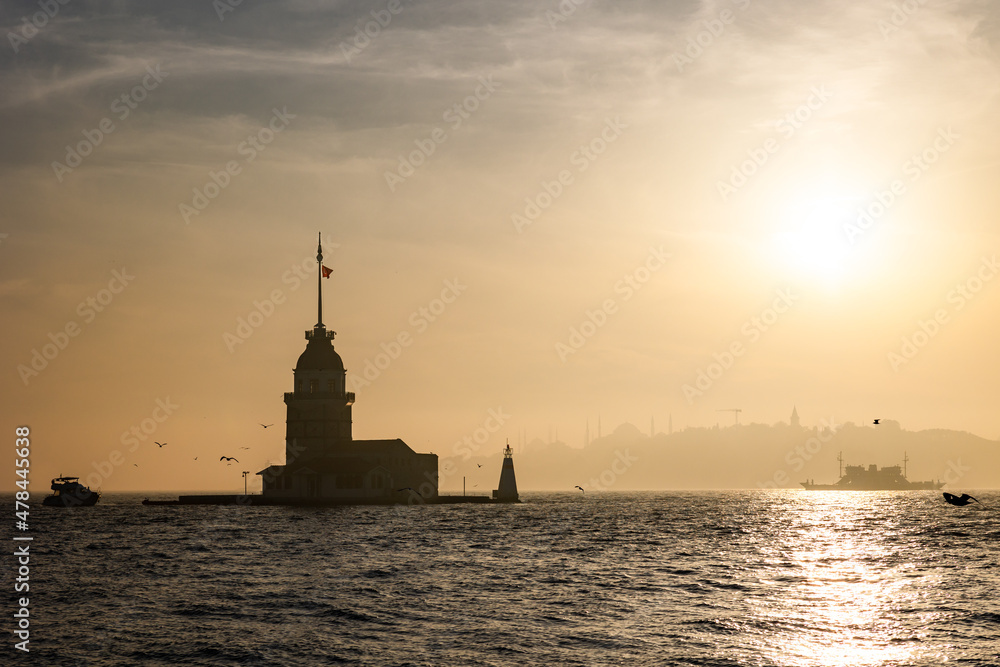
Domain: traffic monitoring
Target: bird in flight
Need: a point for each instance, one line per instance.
(876, 422)
(960, 501)
(196, 458)
(227, 458)
(159, 443)
(580, 487)
(405, 488)
(244, 448)
(265, 425)
(479, 465)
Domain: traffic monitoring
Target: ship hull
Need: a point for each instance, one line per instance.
(66, 499)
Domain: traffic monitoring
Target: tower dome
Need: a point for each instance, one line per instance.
(319, 354)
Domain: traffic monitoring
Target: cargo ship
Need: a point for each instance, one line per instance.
(872, 478)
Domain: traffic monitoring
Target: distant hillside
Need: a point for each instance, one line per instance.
(737, 457)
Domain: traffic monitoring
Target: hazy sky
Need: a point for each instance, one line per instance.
(687, 176)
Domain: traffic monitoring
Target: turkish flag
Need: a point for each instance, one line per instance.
(326, 271)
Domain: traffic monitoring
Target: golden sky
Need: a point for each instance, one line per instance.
(615, 209)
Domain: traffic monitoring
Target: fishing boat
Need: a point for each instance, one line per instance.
(872, 478)
(70, 493)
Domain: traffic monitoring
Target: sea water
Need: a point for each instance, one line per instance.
(660, 578)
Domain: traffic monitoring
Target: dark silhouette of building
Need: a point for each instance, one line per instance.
(322, 458)
(506, 491)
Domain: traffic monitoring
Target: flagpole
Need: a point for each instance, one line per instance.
(319, 280)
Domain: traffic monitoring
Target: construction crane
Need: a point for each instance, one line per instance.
(736, 413)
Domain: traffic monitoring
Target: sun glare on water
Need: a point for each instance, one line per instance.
(836, 597)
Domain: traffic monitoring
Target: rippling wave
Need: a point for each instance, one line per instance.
(714, 578)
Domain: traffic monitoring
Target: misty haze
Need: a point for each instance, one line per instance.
(471, 333)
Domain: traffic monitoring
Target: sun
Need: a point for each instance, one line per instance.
(811, 241)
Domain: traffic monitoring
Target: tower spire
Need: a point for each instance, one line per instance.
(319, 281)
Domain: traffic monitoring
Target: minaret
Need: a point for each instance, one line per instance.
(507, 489)
(670, 424)
(586, 434)
(319, 409)
(652, 429)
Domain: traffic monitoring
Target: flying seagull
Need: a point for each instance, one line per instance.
(244, 448)
(479, 465)
(227, 458)
(960, 501)
(405, 488)
(265, 425)
(159, 443)
(580, 487)
(876, 422)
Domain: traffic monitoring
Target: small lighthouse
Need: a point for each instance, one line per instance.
(507, 491)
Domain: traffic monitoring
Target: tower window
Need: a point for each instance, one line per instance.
(330, 388)
(313, 386)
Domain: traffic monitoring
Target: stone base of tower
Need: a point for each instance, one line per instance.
(381, 471)
(230, 499)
